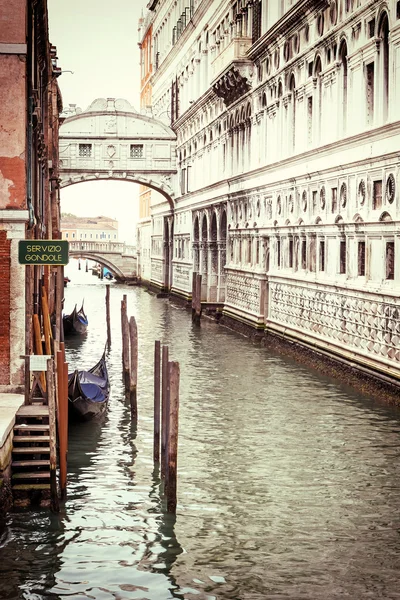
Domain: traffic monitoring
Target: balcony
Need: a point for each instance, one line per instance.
(232, 71)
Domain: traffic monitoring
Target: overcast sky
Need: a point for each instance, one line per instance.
(98, 41)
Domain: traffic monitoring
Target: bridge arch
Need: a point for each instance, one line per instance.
(110, 140)
(119, 258)
(117, 273)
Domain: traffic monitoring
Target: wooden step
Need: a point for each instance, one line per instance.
(31, 438)
(31, 486)
(27, 427)
(31, 450)
(28, 410)
(35, 475)
(30, 463)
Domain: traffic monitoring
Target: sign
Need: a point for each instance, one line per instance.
(43, 252)
(38, 362)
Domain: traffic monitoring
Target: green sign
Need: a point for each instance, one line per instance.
(43, 252)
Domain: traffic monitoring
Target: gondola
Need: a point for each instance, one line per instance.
(76, 322)
(88, 392)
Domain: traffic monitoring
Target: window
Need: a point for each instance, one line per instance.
(291, 254)
(314, 200)
(183, 181)
(309, 119)
(85, 150)
(303, 254)
(361, 258)
(377, 195)
(370, 76)
(334, 199)
(342, 257)
(136, 151)
(278, 253)
(73, 235)
(322, 255)
(66, 235)
(389, 260)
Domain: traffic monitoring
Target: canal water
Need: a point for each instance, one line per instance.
(289, 482)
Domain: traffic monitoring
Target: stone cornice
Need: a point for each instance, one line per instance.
(13, 48)
(14, 216)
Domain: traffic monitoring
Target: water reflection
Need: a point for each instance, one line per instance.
(289, 482)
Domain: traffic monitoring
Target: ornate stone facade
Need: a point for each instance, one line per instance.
(299, 164)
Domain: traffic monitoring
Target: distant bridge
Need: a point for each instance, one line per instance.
(118, 257)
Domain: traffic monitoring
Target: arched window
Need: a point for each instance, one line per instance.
(383, 34)
(292, 125)
(344, 68)
(317, 75)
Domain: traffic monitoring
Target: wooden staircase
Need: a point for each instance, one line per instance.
(31, 453)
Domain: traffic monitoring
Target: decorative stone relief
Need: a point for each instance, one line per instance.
(365, 324)
(304, 201)
(243, 292)
(322, 197)
(390, 188)
(361, 192)
(343, 195)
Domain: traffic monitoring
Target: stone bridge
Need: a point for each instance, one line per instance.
(111, 140)
(119, 258)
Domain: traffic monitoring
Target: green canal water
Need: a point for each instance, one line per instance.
(288, 486)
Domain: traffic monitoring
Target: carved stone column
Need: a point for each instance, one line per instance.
(204, 269)
(221, 271)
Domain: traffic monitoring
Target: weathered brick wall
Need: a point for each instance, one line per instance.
(5, 274)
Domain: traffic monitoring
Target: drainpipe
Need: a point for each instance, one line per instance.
(31, 220)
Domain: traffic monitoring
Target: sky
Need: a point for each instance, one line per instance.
(98, 41)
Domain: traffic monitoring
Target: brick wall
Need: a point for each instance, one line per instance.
(5, 274)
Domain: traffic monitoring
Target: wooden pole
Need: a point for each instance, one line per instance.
(38, 346)
(173, 371)
(62, 425)
(125, 344)
(46, 323)
(59, 303)
(164, 408)
(108, 316)
(133, 335)
(53, 435)
(157, 381)
(198, 298)
(194, 274)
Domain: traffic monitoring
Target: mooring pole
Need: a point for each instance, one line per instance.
(194, 274)
(157, 374)
(164, 409)
(133, 336)
(108, 316)
(62, 390)
(173, 372)
(125, 343)
(52, 434)
(198, 298)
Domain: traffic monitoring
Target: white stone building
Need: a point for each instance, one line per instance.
(89, 229)
(288, 146)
